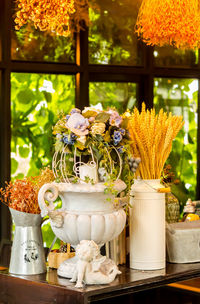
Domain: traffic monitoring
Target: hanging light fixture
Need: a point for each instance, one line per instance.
(62, 17)
(169, 22)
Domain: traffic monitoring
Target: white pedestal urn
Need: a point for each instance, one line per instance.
(147, 225)
(86, 214)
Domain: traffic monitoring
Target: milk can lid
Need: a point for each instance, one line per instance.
(146, 185)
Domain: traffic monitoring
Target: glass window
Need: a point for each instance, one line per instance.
(169, 56)
(121, 96)
(111, 35)
(32, 44)
(180, 96)
(36, 100)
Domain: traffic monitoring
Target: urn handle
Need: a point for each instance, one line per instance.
(48, 192)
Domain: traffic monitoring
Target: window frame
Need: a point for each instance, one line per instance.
(85, 73)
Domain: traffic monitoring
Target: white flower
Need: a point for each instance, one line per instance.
(102, 174)
(98, 128)
(82, 139)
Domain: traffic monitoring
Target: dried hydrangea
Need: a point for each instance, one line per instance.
(169, 22)
(22, 194)
(62, 17)
(51, 15)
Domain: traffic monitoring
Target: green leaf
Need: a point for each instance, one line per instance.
(102, 117)
(96, 152)
(19, 176)
(24, 152)
(48, 96)
(25, 96)
(21, 77)
(125, 123)
(79, 145)
(187, 155)
(48, 236)
(99, 138)
(59, 146)
(180, 192)
(14, 165)
(33, 171)
(13, 145)
(51, 117)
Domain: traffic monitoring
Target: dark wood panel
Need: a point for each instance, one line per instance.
(44, 67)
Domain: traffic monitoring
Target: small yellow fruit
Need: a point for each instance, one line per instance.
(192, 217)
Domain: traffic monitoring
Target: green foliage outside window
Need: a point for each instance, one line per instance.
(179, 96)
(36, 100)
(31, 44)
(121, 96)
(111, 34)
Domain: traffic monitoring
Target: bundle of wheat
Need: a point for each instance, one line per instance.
(152, 137)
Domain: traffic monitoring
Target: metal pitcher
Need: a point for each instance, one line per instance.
(27, 254)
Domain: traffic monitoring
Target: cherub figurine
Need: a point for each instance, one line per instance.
(191, 207)
(92, 267)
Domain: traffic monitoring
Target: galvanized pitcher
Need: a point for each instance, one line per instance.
(27, 254)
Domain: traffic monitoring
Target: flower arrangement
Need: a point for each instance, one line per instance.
(152, 137)
(161, 23)
(62, 17)
(91, 134)
(168, 176)
(46, 14)
(22, 195)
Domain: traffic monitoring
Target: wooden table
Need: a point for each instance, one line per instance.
(49, 288)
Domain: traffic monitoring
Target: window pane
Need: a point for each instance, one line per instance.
(31, 44)
(180, 96)
(122, 96)
(169, 56)
(111, 35)
(36, 100)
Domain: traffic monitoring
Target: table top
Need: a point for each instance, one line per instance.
(50, 286)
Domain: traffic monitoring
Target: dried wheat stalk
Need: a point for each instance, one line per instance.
(152, 137)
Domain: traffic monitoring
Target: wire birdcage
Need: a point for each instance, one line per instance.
(59, 166)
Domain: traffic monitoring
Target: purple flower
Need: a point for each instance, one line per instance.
(67, 117)
(115, 118)
(75, 110)
(120, 149)
(73, 136)
(122, 131)
(78, 124)
(117, 137)
(69, 139)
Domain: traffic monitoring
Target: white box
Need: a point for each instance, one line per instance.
(183, 242)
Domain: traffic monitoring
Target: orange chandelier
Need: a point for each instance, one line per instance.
(169, 22)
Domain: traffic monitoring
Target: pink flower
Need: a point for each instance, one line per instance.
(78, 124)
(115, 118)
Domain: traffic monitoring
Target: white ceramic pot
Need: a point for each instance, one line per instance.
(86, 214)
(147, 225)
